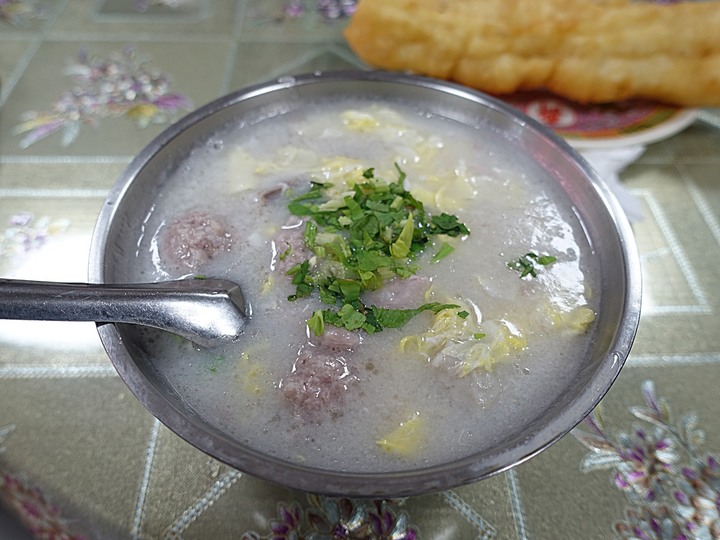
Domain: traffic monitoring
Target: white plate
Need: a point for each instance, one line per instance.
(604, 126)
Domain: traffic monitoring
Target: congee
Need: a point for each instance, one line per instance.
(417, 290)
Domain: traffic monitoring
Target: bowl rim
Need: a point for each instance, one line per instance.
(384, 484)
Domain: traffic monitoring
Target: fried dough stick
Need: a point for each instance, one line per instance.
(590, 51)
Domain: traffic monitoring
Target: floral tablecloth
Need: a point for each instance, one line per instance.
(85, 84)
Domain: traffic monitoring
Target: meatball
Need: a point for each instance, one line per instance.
(335, 339)
(316, 386)
(193, 239)
(400, 293)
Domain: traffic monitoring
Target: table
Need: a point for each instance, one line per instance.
(81, 458)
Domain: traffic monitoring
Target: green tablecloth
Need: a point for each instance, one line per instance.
(81, 458)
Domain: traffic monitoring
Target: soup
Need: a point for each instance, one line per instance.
(474, 319)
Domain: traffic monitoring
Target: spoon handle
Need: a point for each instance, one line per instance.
(206, 311)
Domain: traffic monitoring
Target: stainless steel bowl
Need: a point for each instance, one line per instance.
(121, 219)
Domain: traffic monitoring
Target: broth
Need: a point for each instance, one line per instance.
(439, 388)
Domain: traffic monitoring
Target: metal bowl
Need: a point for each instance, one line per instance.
(121, 219)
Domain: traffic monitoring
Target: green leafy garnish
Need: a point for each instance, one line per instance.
(316, 323)
(301, 280)
(528, 263)
(359, 239)
(401, 247)
(284, 254)
(445, 250)
(395, 318)
(447, 224)
(371, 319)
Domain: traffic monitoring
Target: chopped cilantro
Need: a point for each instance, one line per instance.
(395, 318)
(546, 260)
(371, 319)
(401, 247)
(445, 250)
(316, 323)
(447, 224)
(301, 280)
(351, 318)
(527, 264)
(359, 239)
(283, 255)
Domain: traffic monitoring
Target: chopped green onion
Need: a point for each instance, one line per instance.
(359, 239)
(526, 264)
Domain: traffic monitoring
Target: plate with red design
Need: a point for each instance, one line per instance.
(606, 125)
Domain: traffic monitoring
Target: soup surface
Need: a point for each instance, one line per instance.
(348, 377)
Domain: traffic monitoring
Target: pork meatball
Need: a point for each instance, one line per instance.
(317, 384)
(335, 339)
(193, 239)
(400, 293)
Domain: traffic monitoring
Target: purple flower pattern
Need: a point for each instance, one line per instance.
(328, 518)
(26, 233)
(329, 9)
(30, 505)
(120, 85)
(41, 517)
(673, 488)
(19, 12)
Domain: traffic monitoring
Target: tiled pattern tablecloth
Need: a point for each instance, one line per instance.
(81, 457)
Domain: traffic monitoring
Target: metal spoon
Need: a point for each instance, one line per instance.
(209, 312)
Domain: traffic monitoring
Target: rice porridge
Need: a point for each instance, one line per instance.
(416, 290)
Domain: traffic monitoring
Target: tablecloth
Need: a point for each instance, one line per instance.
(81, 458)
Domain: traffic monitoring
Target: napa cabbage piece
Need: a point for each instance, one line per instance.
(446, 192)
(465, 345)
(453, 190)
(389, 127)
(359, 120)
(342, 172)
(406, 438)
(562, 317)
(495, 343)
(381, 122)
(250, 375)
(242, 168)
(288, 158)
(247, 172)
(267, 284)
(576, 320)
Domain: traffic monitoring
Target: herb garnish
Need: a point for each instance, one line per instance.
(359, 239)
(527, 264)
(445, 250)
